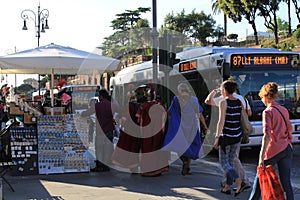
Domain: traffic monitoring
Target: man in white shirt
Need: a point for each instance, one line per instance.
(216, 100)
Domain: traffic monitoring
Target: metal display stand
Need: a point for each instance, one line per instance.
(63, 144)
(24, 150)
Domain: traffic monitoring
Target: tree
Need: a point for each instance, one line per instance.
(250, 14)
(297, 9)
(233, 36)
(218, 33)
(178, 23)
(125, 21)
(283, 27)
(24, 89)
(129, 28)
(198, 26)
(288, 2)
(140, 37)
(237, 9)
(177, 27)
(217, 10)
(116, 45)
(268, 10)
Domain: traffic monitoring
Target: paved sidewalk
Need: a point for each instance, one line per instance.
(204, 183)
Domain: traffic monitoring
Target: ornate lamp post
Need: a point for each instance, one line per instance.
(40, 20)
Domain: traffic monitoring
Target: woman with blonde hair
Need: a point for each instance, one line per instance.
(276, 145)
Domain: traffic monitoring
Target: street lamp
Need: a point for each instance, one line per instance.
(41, 17)
(40, 20)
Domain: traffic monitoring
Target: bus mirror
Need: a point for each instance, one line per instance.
(226, 70)
(295, 63)
(220, 62)
(172, 59)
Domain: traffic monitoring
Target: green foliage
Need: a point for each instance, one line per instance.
(44, 80)
(232, 36)
(195, 25)
(283, 27)
(201, 26)
(218, 33)
(125, 21)
(287, 44)
(287, 47)
(24, 89)
(232, 9)
(296, 34)
(132, 35)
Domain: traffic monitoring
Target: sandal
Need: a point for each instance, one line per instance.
(185, 168)
(189, 171)
(243, 187)
(226, 191)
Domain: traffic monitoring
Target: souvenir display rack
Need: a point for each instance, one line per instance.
(50, 144)
(24, 149)
(63, 144)
(76, 144)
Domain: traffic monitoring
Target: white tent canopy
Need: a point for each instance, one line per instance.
(56, 59)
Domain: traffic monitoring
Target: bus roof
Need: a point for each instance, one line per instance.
(127, 74)
(135, 68)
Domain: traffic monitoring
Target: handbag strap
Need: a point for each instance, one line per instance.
(246, 104)
(280, 114)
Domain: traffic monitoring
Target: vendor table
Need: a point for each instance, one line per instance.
(56, 144)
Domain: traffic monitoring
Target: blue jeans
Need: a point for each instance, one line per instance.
(284, 163)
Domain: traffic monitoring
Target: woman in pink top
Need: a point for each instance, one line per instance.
(276, 145)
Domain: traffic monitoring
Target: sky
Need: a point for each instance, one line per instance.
(82, 24)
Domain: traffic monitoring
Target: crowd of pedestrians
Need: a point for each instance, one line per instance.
(149, 132)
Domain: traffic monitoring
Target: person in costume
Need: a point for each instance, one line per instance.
(183, 134)
(151, 118)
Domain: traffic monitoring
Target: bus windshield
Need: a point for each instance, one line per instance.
(250, 82)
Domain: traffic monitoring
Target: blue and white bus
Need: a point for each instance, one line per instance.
(206, 67)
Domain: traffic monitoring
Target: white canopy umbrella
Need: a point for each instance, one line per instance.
(55, 59)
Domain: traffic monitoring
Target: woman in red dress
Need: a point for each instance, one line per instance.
(126, 153)
(151, 117)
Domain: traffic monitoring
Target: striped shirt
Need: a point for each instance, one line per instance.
(232, 126)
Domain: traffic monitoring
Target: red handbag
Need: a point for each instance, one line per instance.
(270, 185)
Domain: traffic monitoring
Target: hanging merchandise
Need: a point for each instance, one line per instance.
(63, 144)
(24, 148)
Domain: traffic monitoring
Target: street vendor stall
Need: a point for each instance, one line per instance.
(55, 59)
(55, 143)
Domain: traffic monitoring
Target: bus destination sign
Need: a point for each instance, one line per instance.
(187, 66)
(263, 60)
